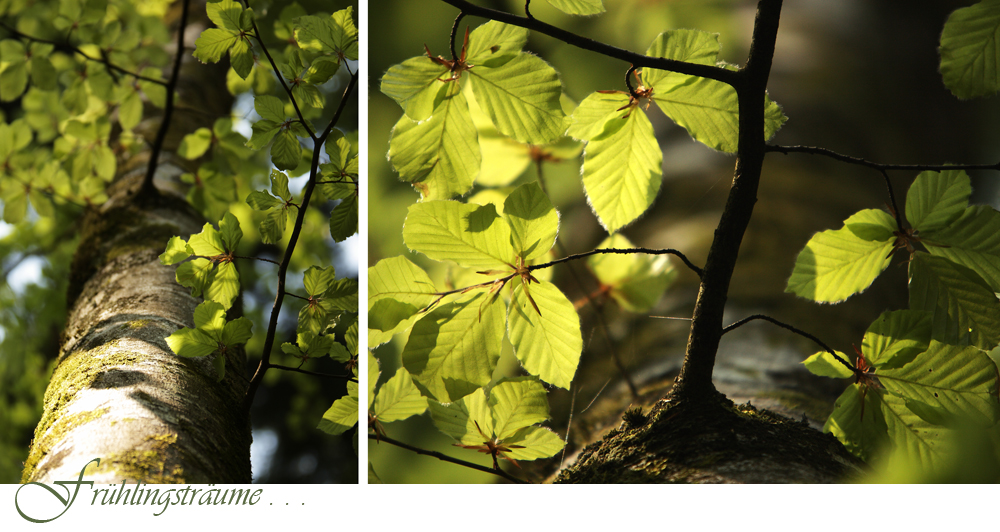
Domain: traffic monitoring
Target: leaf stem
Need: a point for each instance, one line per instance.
(441, 456)
(454, 32)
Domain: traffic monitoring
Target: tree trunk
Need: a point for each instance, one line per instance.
(118, 392)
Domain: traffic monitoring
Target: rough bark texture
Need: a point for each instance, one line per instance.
(118, 392)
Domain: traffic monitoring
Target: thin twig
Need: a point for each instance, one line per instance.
(256, 258)
(281, 77)
(698, 271)
(799, 332)
(313, 373)
(265, 360)
(877, 166)
(148, 189)
(729, 77)
(69, 48)
(441, 456)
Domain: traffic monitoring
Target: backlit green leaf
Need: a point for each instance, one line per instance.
(960, 381)
(195, 144)
(836, 264)
(965, 308)
(622, 172)
(972, 240)
(469, 235)
(399, 280)
(343, 414)
(937, 199)
(548, 345)
(599, 116)
(533, 221)
(225, 285)
(896, 337)
(286, 151)
(970, 50)
(494, 43)
(579, 7)
(192, 343)
(522, 99)
(213, 43)
(416, 86)
(317, 280)
(439, 156)
(399, 399)
(237, 332)
(825, 364)
(344, 220)
(177, 250)
(691, 46)
(453, 349)
(637, 281)
(516, 404)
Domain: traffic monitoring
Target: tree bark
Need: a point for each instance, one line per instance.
(118, 392)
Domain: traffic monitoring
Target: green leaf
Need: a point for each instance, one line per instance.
(398, 280)
(225, 14)
(213, 43)
(399, 399)
(344, 219)
(548, 345)
(469, 235)
(373, 373)
(317, 280)
(936, 199)
(622, 172)
(262, 133)
(43, 74)
(130, 110)
(440, 155)
(319, 33)
(637, 281)
(241, 58)
(825, 364)
(196, 275)
(516, 404)
(960, 381)
(494, 43)
(906, 429)
(970, 50)
(225, 285)
(230, 232)
(192, 343)
(599, 116)
(866, 436)
(837, 264)
(321, 69)
(533, 221)
(269, 108)
(195, 144)
(238, 331)
(415, 84)
(453, 350)
(177, 250)
(207, 243)
(896, 337)
(538, 442)
(522, 99)
(965, 308)
(459, 418)
(286, 151)
(972, 240)
(579, 7)
(273, 225)
(262, 201)
(691, 46)
(343, 414)
(13, 81)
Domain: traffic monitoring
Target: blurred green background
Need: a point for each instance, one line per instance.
(854, 76)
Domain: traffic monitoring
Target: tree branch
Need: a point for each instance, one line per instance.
(698, 271)
(441, 456)
(878, 166)
(313, 373)
(799, 332)
(272, 327)
(148, 189)
(729, 77)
